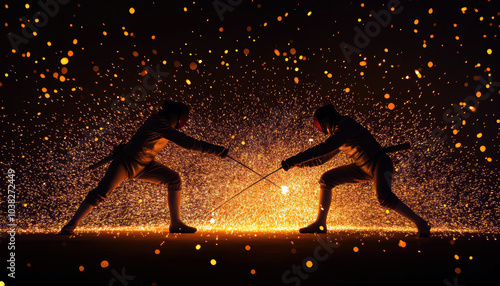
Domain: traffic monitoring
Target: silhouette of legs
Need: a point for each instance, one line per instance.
(348, 174)
(115, 174)
(378, 170)
(174, 205)
(159, 174)
(84, 209)
(382, 175)
(122, 169)
(422, 225)
(319, 226)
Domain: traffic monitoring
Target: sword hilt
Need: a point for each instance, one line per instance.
(399, 147)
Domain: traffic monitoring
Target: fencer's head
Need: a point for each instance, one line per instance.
(177, 113)
(326, 118)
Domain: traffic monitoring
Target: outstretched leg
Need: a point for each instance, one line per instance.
(347, 174)
(423, 227)
(159, 174)
(383, 178)
(174, 205)
(115, 174)
(84, 209)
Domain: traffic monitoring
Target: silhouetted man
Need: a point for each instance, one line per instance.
(135, 160)
(371, 163)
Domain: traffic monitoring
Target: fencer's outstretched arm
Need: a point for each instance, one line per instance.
(186, 141)
(337, 139)
(319, 161)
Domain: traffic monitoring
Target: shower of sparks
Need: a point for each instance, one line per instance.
(284, 190)
(255, 92)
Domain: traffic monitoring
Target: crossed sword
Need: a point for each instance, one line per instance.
(389, 149)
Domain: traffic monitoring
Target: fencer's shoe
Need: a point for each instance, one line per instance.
(313, 228)
(424, 229)
(181, 228)
(67, 230)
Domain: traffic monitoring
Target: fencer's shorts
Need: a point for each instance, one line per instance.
(124, 168)
(378, 169)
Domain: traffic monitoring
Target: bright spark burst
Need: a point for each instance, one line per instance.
(284, 190)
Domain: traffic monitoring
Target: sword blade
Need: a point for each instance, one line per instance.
(261, 179)
(253, 171)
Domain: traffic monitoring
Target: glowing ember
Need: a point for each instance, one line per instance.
(402, 243)
(284, 190)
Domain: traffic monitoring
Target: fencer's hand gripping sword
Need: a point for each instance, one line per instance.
(396, 148)
(389, 149)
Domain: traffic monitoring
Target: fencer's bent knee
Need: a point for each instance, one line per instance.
(323, 184)
(94, 198)
(388, 201)
(327, 183)
(174, 183)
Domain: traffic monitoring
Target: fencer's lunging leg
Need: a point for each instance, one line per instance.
(84, 209)
(347, 174)
(422, 225)
(157, 173)
(319, 226)
(174, 205)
